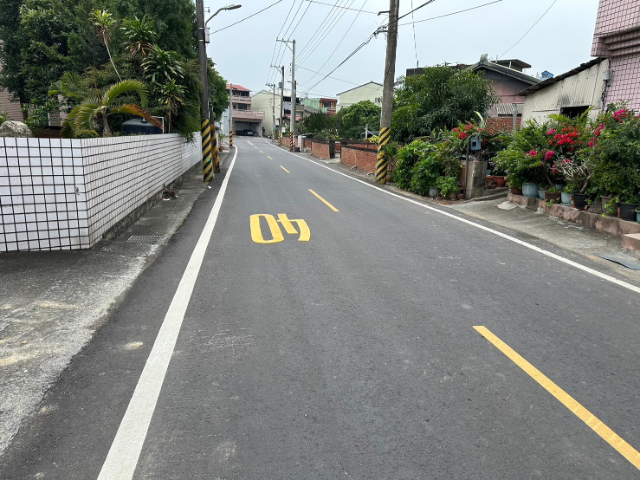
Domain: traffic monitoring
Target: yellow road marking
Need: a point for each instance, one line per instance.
(256, 231)
(608, 435)
(251, 144)
(324, 201)
(305, 233)
(269, 157)
(261, 151)
(284, 169)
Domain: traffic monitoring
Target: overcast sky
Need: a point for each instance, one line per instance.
(244, 52)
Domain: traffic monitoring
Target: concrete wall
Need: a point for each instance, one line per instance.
(363, 158)
(61, 194)
(584, 88)
(370, 91)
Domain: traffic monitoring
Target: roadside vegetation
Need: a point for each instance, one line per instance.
(104, 62)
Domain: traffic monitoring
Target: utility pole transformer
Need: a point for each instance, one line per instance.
(205, 122)
(387, 92)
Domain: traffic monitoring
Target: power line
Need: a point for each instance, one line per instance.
(276, 42)
(346, 8)
(341, 40)
(326, 33)
(246, 18)
(333, 78)
(449, 14)
(525, 33)
(301, 17)
(322, 24)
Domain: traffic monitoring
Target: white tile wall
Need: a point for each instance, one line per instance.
(65, 194)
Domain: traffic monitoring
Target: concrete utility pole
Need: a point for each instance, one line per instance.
(281, 104)
(230, 115)
(292, 126)
(273, 108)
(387, 92)
(205, 121)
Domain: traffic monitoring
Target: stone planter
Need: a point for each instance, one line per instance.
(434, 192)
(566, 198)
(530, 190)
(541, 192)
(552, 196)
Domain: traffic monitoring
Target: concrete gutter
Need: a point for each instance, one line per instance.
(52, 303)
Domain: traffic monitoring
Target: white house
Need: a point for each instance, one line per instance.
(369, 91)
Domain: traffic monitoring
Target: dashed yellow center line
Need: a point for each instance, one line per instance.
(324, 201)
(269, 157)
(251, 144)
(284, 169)
(261, 151)
(608, 435)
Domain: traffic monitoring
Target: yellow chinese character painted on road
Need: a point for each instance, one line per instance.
(276, 233)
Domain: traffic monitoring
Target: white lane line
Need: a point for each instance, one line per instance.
(577, 265)
(123, 455)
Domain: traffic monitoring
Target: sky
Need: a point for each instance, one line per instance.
(243, 53)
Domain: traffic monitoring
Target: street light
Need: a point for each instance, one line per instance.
(228, 7)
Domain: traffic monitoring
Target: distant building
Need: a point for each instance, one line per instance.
(371, 91)
(617, 37)
(264, 102)
(243, 118)
(324, 105)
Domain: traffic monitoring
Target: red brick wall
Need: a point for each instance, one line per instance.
(364, 159)
(307, 143)
(338, 147)
(502, 123)
(366, 145)
(320, 150)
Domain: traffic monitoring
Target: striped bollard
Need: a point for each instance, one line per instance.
(381, 165)
(291, 142)
(230, 139)
(214, 151)
(207, 165)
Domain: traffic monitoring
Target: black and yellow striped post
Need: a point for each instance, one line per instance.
(280, 137)
(291, 142)
(214, 150)
(230, 138)
(383, 161)
(207, 165)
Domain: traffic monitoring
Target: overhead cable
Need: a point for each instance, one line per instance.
(246, 18)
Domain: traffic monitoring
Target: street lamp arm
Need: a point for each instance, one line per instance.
(229, 7)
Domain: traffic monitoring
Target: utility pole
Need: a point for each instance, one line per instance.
(230, 116)
(387, 92)
(273, 108)
(205, 121)
(281, 104)
(292, 127)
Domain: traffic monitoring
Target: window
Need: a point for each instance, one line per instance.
(378, 100)
(573, 112)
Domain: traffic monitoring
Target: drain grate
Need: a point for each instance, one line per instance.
(622, 261)
(144, 239)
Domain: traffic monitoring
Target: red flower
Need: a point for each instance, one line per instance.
(463, 136)
(548, 155)
(533, 153)
(554, 169)
(551, 132)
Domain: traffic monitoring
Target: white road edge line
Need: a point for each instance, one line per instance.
(124, 453)
(577, 265)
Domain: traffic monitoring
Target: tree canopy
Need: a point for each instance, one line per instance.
(354, 119)
(441, 97)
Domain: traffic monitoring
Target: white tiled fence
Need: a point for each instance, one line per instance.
(61, 194)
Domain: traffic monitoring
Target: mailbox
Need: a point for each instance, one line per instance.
(475, 144)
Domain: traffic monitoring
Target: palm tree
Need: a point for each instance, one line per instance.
(140, 35)
(105, 23)
(172, 98)
(81, 119)
(161, 66)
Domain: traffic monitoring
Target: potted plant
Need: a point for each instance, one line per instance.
(638, 215)
(541, 191)
(434, 192)
(552, 193)
(448, 186)
(566, 194)
(628, 208)
(610, 205)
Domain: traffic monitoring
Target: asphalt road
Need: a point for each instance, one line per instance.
(351, 355)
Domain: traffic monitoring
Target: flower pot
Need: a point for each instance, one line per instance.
(552, 196)
(434, 192)
(516, 191)
(559, 186)
(580, 200)
(566, 198)
(638, 216)
(541, 192)
(627, 211)
(530, 190)
(500, 181)
(488, 173)
(615, 206)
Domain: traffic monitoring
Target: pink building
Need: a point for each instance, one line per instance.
(617, 37)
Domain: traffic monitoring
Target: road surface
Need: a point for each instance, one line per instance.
(306, 325)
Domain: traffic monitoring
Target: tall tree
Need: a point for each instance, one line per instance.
(441, 97)
(355, 118)
(105, 25)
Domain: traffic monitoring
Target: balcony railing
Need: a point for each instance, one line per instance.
(248, 115)
(240, 99)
